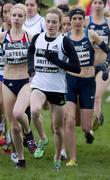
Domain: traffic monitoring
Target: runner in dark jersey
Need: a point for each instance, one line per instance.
(82, 86)
(16, 89)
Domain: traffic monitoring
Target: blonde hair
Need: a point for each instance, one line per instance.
(20, 6)
(106, 12)
(55, 10)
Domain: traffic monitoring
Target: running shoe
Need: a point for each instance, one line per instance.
(101, 119)
(63, 154)
(89, 137)
(31, 143)
(6, 146)
(2, 140)
(6, 149)
(71, 163)
(57, 165)
(14, 157)
(39, 153)
(21, 164)
(32, 146)
(97, 122)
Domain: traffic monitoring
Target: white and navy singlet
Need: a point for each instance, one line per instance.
(101, 29)
(48, 77)
(84, 50)
(15, 52)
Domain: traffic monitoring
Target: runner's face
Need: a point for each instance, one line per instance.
(32, 8)
(52, 24)
(97, 5)
(6, 13)
(17, 17)
(77, 22)
(66, 24)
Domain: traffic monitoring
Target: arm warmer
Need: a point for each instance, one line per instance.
(30, 57)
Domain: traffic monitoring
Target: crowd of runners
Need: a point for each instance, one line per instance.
(61, 62)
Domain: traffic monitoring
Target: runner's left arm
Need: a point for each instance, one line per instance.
(73, 64)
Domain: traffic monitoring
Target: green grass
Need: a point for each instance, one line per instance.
(50, 2)
(93, 160)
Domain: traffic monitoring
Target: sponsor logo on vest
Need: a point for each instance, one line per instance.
(80, 48)
(83, 43)
(55, 47)
(40, 52)
(104, 27)
(10, 84)
(92, 97)
(18, 45)
(92, 26)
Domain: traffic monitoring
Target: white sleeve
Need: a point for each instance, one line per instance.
(43, 26)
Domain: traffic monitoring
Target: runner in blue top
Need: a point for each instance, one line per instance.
(82, 86)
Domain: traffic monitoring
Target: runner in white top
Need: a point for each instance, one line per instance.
(48, 52)
(34, 22)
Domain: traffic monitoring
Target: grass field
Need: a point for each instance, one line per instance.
(50, 2)
(93, 160)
